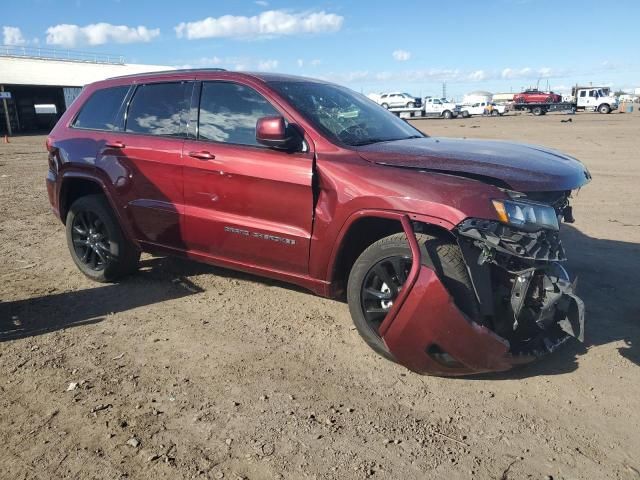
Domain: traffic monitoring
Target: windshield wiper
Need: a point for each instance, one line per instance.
(370, 141)
(381, 140)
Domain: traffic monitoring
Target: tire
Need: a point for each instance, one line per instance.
(465, 114)
(447, 114)
(104, 255)
(385, 105)
(495, 113)
(537, 111)
(440, 255)
(410, 105)
(604, 108)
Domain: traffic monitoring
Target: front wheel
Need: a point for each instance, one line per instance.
(96, 242)
(379, 273)
(385, 105)
(447, 114)
(604, 108)
(495, 113)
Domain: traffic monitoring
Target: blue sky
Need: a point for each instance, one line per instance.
(496, 45)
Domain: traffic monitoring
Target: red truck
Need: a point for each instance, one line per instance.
(446, 250)
(536, 96)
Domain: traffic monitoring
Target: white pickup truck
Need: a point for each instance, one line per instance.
(480, 108)
(440, 107)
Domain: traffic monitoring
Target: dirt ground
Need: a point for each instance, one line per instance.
(191, 371)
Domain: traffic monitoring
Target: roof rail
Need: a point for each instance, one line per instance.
(175, 71)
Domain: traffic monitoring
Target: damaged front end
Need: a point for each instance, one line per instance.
(524, 293)
(526, 301)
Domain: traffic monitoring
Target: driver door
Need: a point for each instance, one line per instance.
(244, 202)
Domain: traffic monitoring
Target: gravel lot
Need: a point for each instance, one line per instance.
(191, 371)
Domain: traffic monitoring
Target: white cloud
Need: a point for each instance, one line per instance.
(267, 64)
(262, 3)
(478, 76)
(12, 36)
(428, 75)
(530, 73)
(240, 63)
(313, 63)
(271, 23)
(67, 35)
(401, 55)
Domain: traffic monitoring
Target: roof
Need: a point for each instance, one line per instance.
(264, 76)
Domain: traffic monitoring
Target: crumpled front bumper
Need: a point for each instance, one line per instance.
(427, 333)
(429, 317)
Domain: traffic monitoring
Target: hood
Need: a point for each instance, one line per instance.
(517, 166)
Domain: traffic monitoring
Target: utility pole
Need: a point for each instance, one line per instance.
(6, 112)
(444, 89)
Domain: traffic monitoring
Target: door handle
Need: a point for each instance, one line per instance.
(115, 144)
(203, 155)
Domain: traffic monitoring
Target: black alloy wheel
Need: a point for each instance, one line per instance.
(381, 287)
(91, 240)
(96, 242)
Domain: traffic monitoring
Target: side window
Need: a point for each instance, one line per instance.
(592, 93)
(158, 108)
(583, 93)
(100, 110)
(229, 112)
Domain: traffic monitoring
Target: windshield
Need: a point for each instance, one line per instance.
(344, 116)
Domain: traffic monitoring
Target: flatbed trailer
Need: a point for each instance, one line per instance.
(405, 112)
(543, 108)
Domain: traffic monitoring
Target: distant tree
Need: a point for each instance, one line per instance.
(620, 92)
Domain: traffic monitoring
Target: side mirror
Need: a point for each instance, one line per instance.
(272, 132)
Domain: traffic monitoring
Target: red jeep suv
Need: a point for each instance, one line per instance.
(447, 250)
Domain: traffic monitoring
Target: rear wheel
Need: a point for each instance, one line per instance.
(385, 105)
(97, 245)
(379, 273)
(537, 111)
(465, 114)
(495, 113)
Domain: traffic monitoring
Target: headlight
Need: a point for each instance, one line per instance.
(526, 214)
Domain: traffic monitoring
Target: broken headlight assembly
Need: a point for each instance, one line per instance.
(526, 215)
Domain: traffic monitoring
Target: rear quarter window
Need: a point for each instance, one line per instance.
(100, 110)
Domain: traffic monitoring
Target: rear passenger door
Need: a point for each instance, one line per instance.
(149, 152)
(245, 202)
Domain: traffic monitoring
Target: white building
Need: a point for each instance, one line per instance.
(478, 96)
(43, 82)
